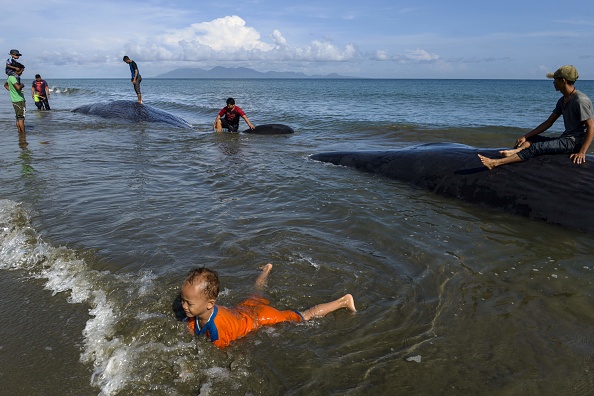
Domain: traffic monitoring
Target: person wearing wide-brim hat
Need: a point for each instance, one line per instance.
(578, 118)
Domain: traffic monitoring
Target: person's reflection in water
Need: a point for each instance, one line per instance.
(25, 157)
(229, 144)
(23, 140)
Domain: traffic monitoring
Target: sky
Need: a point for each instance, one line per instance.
(521, 39)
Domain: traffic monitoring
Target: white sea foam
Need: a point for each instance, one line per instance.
(21, 248)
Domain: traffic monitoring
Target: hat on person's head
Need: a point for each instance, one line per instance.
(567, 72)
(15, 52)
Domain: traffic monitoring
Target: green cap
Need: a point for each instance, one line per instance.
(567, 72)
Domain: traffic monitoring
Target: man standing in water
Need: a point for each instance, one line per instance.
(578, 118)
(40, 93)
(136, 77)
(14, 86)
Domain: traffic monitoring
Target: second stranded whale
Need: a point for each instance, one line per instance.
(132, 111)
(271, 129)
(549, 187)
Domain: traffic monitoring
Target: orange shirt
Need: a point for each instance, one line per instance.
(228, 324)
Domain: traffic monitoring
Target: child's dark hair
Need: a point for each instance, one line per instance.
(230, 101)
(210, 279)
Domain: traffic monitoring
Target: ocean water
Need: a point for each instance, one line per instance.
(101, 218)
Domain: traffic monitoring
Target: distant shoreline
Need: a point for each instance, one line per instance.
(307, 78)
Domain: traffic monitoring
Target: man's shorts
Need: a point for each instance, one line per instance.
(229, 127)
(19, 110)
(137, 84)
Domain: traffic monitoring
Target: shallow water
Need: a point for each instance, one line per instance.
(100, 220)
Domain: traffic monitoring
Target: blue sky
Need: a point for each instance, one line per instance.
(361, 38)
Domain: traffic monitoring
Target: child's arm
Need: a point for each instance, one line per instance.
(19, 86)
(16, 66)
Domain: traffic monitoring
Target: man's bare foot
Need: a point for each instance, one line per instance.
(488, 162)
(263, 277)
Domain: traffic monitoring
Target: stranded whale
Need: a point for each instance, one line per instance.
(549, 187)
(132, 111)
(271, 129)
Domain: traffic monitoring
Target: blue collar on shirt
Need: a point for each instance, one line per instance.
(210, 329)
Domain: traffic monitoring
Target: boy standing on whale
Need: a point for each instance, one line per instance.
(222, 325)
(136, 77)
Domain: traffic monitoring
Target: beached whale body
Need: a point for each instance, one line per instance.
(132, 111)
(548, 187)
(271, 129)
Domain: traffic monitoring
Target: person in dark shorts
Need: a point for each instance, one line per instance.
(17, 97)
(136, 78)
(40, 92)
(228, 118)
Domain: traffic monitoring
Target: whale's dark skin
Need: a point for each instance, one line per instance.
(550, 187)
(132, 111)
(271, 129)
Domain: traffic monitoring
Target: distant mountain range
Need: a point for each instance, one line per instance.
(238, 72)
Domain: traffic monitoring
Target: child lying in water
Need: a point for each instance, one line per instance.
(222, 325)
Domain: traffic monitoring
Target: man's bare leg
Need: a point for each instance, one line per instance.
(218, 126)
(321, 310)
(515, 150)
(510, 152)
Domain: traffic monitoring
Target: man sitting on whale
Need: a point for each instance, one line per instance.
(578, 118)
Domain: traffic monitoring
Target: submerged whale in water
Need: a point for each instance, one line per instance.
(549, 187)
(132, 111)
(271, 129)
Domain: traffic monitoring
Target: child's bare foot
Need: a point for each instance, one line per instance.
(263, 277)
(319, 311)
(266, 268)
(349, 302)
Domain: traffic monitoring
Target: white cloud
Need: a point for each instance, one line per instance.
(324, 51)
(278, 38)
(410, 56)
(421, 55)
(381, 55)
(230, 39)
(223, 34)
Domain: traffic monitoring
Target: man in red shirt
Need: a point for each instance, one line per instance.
(230, 118)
